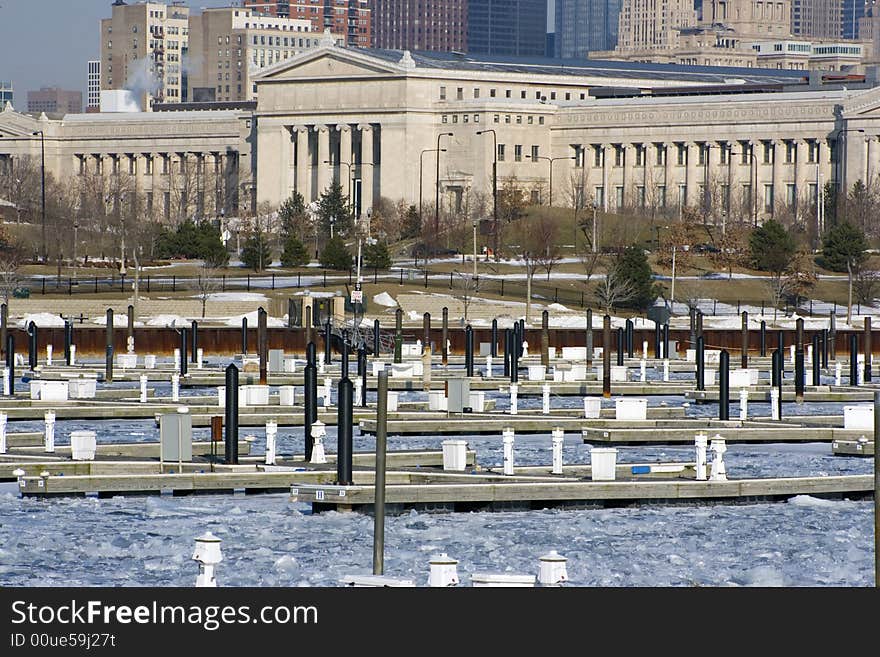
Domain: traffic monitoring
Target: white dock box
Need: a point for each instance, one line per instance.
(592, 407)
(175, 435)
(574, 353)
(454, 455)
(627, 408)
(82, 388)
(537, 372)
(858, 417)
(393, 397)
(36, 387)
(128, 361)
(436, 400)
(276, 360)
(286, 395)
(378, 366)
(83, 445)
(54, 391)
(150, 361)
(603, 462)
(256, 395)
(477, 401)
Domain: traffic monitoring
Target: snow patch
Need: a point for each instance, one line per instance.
(119, 320)
(167, 320)
(384, 299)
(271, 322)
(810, 501)
(558, 307)
(234, 296)
(41, 320)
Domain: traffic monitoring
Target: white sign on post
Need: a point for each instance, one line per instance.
(357, 296)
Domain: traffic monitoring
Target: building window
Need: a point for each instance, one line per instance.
(640, 195)
(534, 153)
(618, 192)
(148, 165)
(531, 120)
(640, 155)
(745, 152)
(598, 156)
(747, 195)
(149, 203)
(507, 118)
(540, 120)
(491, 93)
(501, 152)
(535, 197)
(768, 152)
(455, 118)
(476, 92)
(813, 153)
(442, 93)
(517, 153)
(599, 196)
(476, 118)
(661, 195)
(661, 154)
(813, 194)
(618, 155)
(768, 198)
(790, 152)
(682, 195)
(459, 93)
(790, 195)
(132, 165)
(522, 94)
(724, 190)
(703, 156)
(519, 119)
(567, 95)
(682, 155)
(578, 155)
(465, 118)
(507, 93)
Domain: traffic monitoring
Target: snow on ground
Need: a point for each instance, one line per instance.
(234, 296)
(271, 322)
(314, 294)
(558, 307)
(119, 320)
(42, 320)
(384, 299)
(168, 320)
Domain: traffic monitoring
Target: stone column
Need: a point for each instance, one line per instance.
(324, 170)
(669, 177)
(367, 171)
(871, 168)
(690, 174)
(778, 163)
(629, 186)
(303, 163)
(755, 207)
(345, 156)
(854, 169)
(804, 172)
(607, 161)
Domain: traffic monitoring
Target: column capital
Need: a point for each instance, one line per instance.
(343, 127)
(299, 128)
(363, 127)
(320, 127)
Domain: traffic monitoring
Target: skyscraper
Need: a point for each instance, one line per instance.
(820, 19)
(585, 25)
(93, 100)
(353, 18)
(6, 93)
(653, 24)
(853, 11)
(55, 101)
(507, 27)
(420, 24)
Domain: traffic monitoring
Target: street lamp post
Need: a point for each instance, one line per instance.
(551, 160)
(437, 187)
(475, 249)
(494, 187)
(421, 163)
(43, 185)
(595, 236)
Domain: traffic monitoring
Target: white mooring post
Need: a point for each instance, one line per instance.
(143, 380)
(444, 571)
(50, 431)
(175, 387)
(130, 344)
(558, 438)
(810, 353)
(552, 569)
(200, 353)
(666, 370)
(358, 386)
(321, 362)
(177, 358)
(545, 399)
(507, 439)
(513, 402)
(719, 471)
(791, 349)
(838, 372)
(319, 430)
(743, 404)
(49, 355)
(644, 348)
(271, 434)
(489, 366)
(3, 420)
(643, 367)
(208, 555)
(6, 384)
(700, 442)
(73, 354)
(328, 384)
(774, 403)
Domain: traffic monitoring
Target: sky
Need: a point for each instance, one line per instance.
(49, 42)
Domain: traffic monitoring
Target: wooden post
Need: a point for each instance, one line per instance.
(868, 349)
(744, 348)
(606, 356)
(379, 494)
(445, 336)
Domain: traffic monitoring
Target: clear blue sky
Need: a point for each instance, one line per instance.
(49, 42)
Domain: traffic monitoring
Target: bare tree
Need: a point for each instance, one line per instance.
(866, 286)
(206, 283)
(733, 248)
(611, 291)
(777, 290)
(548, 235)
(467, 286)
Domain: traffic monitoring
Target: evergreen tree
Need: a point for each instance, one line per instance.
(412, 223)
(772, 248)
(336, 255)
(292, 214)
(256, 253)
(294, 253)
(632, 269)
(376, 256)
(210, 247)
(843, 247)
(333, 205)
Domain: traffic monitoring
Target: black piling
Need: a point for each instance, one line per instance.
(68, 339)
(606, 356)
(379, 497)
(774, 368)
(588, 338)
(853, 359)
(108, 363)
(493, 349)
(621, 345)
(130, 334)
(666, 341)
(194, 358)
(545, 339)
(263, 344)
(244, 336)
(426, 329)
(231, 422)
(629, 338)
(307, 325)
(868, 349)
(744, 341)
(469, 350)
(657, 340)
(816, 360)
(445, 336)
(32, 345)
(181, 364)
(701, 365)
(763, 339)
(344, 443)
(328, 338)
(4, 320)
(508, 341)
(376, 338)
(799, 374)
(398, 336)
(780, 379)
(344, 362)
(824, 348)
(724, 385)
(832, 335)
(310, 398)
(109, 328)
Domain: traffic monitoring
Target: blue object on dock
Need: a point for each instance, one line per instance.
(641, 469)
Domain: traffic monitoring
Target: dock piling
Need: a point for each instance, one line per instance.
(244, 336)
(344, 441)
(194, 330)
(379, 495)
(181, 365)
(629, 338)
(262, 344)
(744, 347)
(589, 338)
(310, 398)
(10, 365)
(507, 440)
(621, 346)
(868, 349)
(32, 345)
(853, 359)
(876, 489)
(763, 351)
(108, 364)
(469, 350)
(701, 365)
(445, 337)
(493, 348)
(724, 385)
(799, 373)
(816, 360)
(231, 415)
(557, 438)
(606, 356)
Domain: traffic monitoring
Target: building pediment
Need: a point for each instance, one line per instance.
(862, 105)
(329, 62)
(14, 124)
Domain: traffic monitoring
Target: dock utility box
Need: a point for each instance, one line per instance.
(175, 435)
(459, 397)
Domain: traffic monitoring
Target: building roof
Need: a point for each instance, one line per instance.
(589, 67)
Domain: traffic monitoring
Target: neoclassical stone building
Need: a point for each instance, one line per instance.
(612, 133)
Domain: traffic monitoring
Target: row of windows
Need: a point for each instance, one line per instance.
(745, 152)
(496, 118)
(116, 165)
(660, 196)
(540, 95)
(518, 153)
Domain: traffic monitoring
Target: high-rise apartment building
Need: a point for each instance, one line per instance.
(767, 18)
(143, 48)
(821, 19)
(55, 101)
(353, 18)
(420, 24)
(228, 46)
(585, 25)
(851, 13)
(507, 27)
(93, 98)
(653, 24)
(6, 93)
